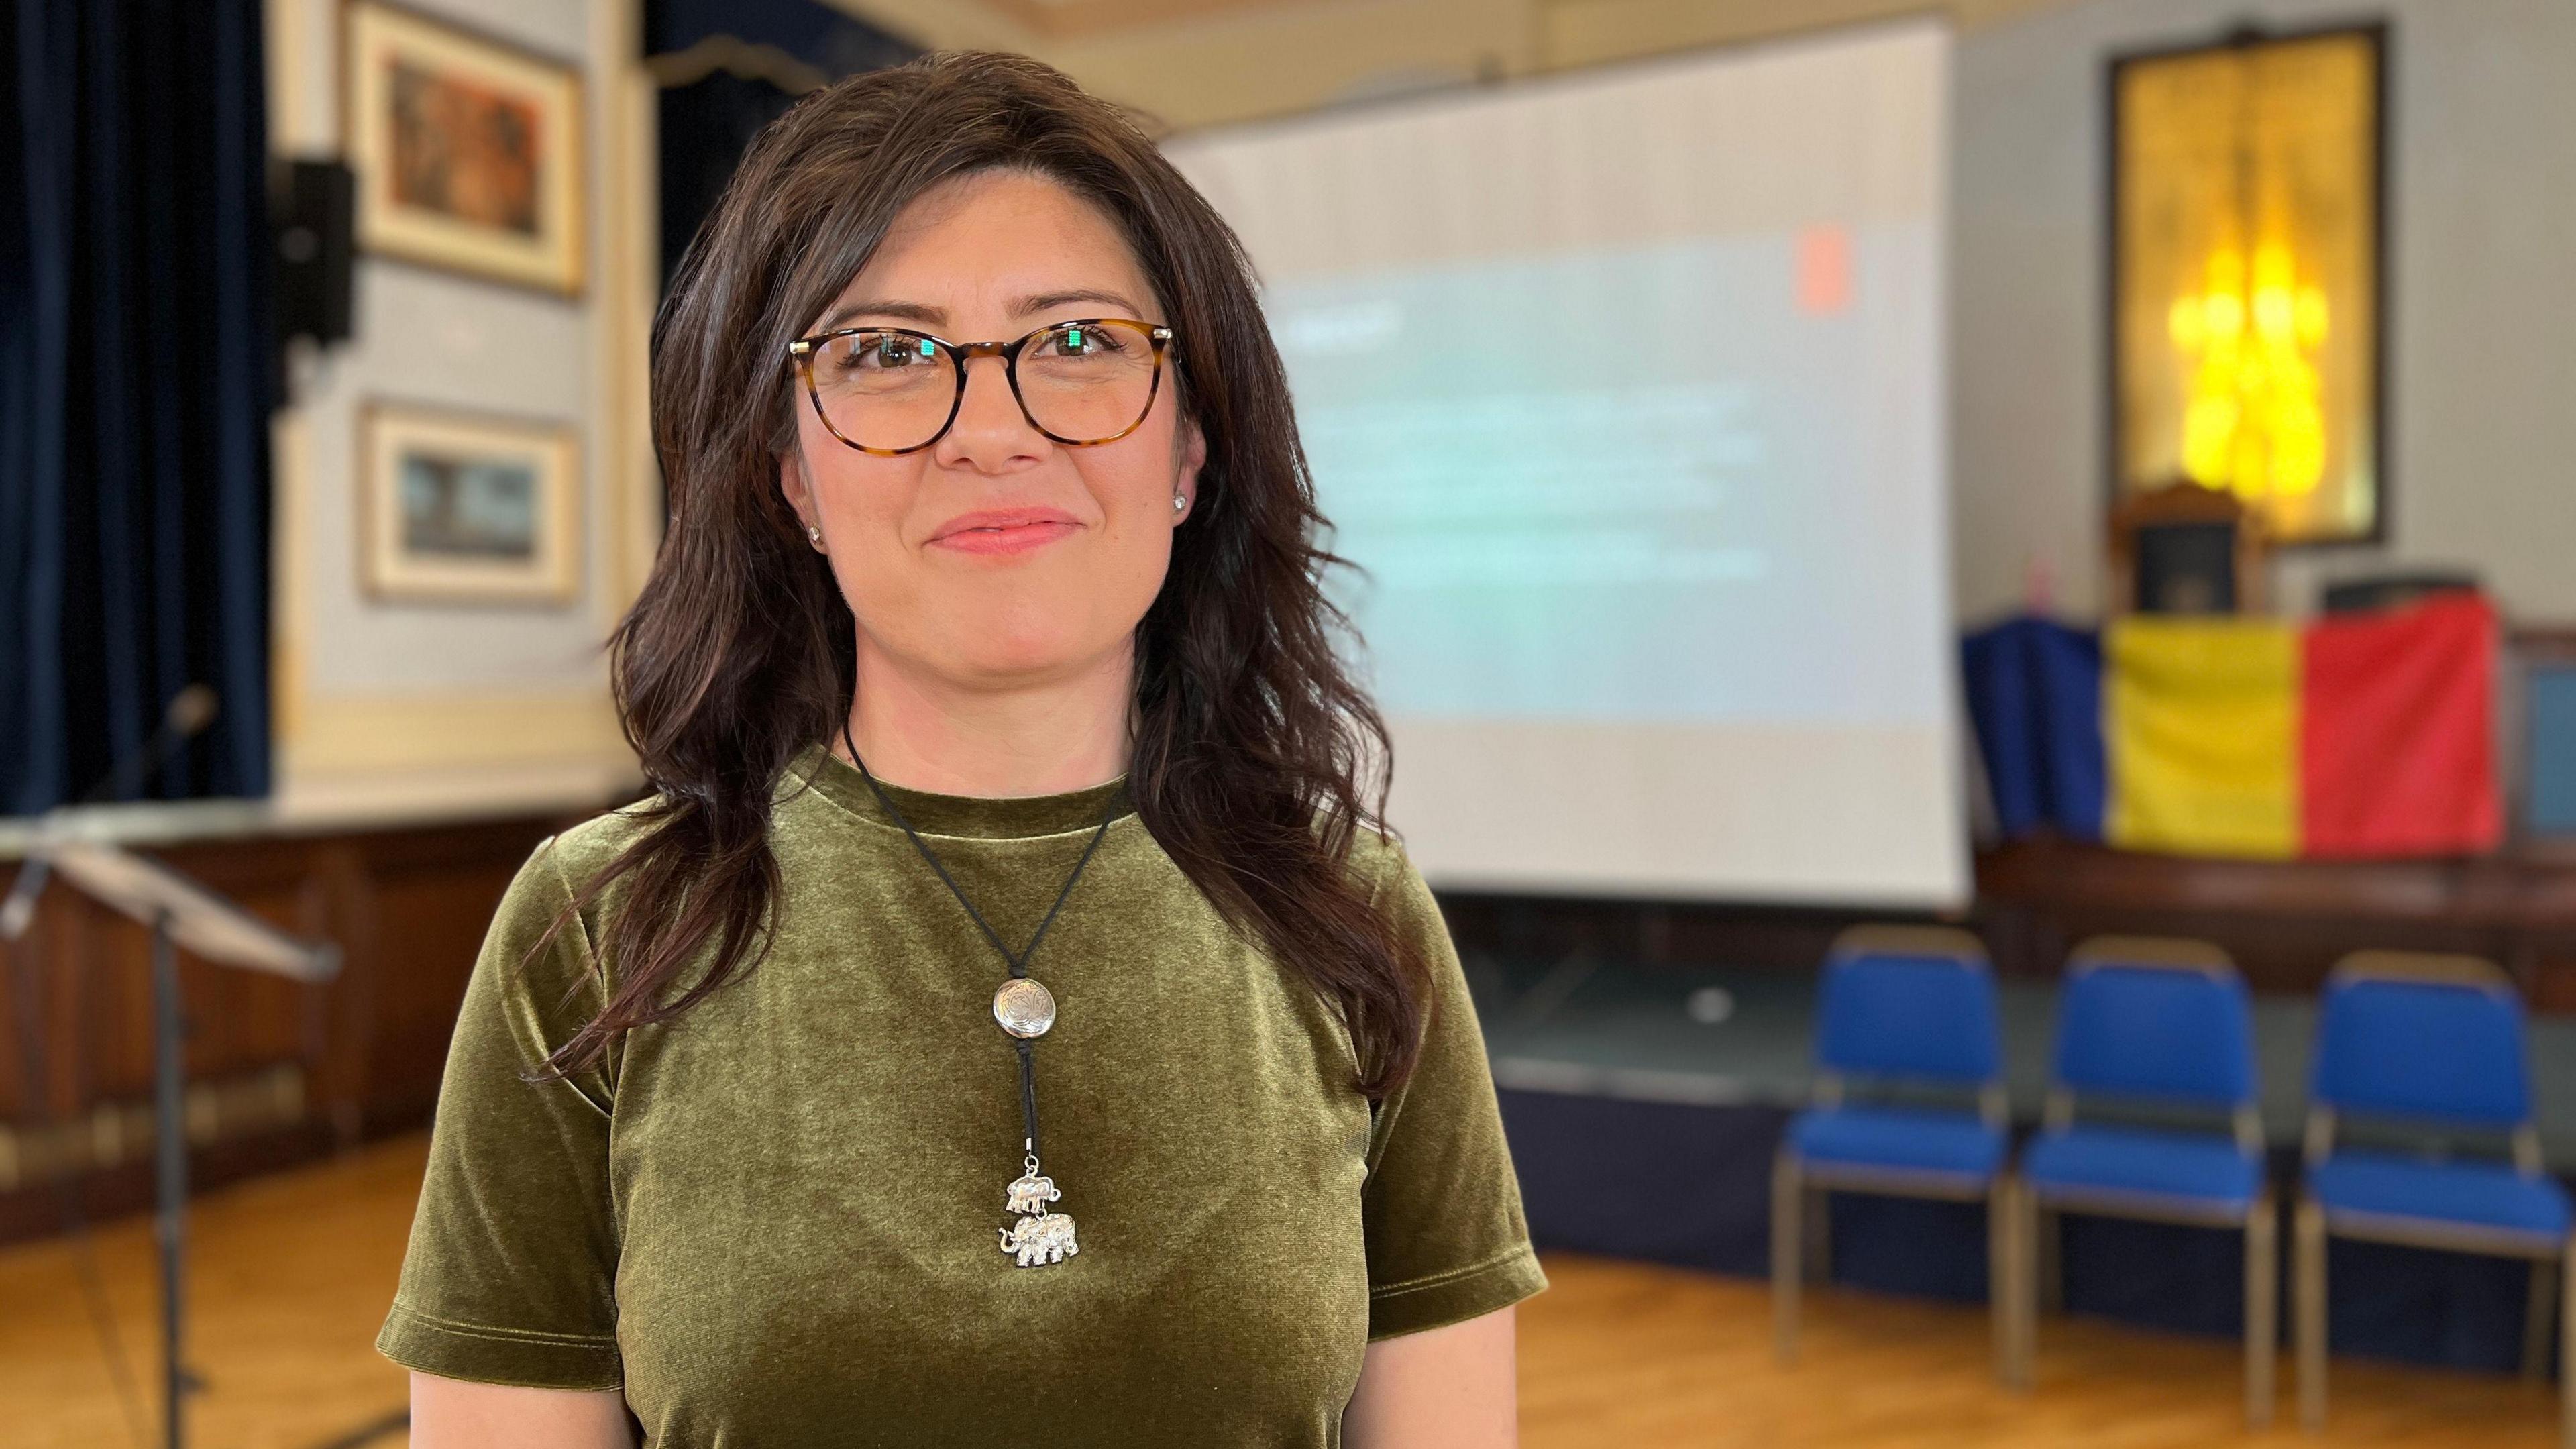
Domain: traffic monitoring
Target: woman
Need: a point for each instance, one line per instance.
(986, 648)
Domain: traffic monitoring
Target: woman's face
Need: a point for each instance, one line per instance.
(990, 257)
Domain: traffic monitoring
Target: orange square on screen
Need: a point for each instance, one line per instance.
(1824, 269)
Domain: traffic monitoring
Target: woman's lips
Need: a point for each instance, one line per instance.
(1018, 538)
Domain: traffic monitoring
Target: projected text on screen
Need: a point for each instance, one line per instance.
(1627, 392)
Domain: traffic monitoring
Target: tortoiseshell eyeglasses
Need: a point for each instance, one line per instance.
(891, 390)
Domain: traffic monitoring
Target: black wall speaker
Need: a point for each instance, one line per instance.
(315, 226)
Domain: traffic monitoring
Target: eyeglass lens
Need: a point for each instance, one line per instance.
(1080, 382)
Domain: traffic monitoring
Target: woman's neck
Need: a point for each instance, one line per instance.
(928, 733)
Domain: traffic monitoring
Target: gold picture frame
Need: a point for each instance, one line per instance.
(468, 150)
(2246, 231)
(462, 507)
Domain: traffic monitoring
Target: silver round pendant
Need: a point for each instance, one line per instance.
(1023, 1007)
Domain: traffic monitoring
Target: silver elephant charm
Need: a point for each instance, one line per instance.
(1046, 1238)
(1032, 1193)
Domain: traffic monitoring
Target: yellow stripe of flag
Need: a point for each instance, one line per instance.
(2201, 720)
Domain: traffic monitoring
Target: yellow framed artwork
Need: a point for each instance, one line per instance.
(467, 508)
(2247, 237)
(468, 151)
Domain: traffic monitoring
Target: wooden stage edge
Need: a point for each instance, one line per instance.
(2285, 922)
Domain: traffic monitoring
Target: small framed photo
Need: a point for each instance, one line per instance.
(462, 507)
(468, 151)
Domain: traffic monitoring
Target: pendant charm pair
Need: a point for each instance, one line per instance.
(1042, 1236)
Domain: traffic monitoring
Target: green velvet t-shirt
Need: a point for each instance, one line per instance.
(772, 1220)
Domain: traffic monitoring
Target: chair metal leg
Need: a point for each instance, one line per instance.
(2026, 1276)
(2004, 1255)
(2540, 1315)
(1788, 1212)
(2262, 1307)
(2310, 1271)
(2567, 1350)
(1817, 1225)
(2050, 1232)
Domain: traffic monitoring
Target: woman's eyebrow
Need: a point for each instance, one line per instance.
(1046, 300)
(929, 316)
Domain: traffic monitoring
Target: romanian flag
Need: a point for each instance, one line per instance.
(2351, 737)
(2200, 720)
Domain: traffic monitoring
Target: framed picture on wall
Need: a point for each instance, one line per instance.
(468, 151)
(2248, 285)
(464, 507)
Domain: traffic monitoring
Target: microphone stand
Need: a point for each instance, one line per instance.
(170, 1178)
(178, 912)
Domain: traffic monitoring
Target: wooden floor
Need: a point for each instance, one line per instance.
(292, 1275)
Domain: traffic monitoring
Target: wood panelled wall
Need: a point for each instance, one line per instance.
(2285, 922)
(280, 1072)
(283, 1073)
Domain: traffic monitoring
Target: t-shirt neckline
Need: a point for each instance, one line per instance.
(992, 817)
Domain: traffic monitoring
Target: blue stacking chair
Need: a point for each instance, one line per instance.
(1898, 1007)
(2150, 1023)
(2428, 1042)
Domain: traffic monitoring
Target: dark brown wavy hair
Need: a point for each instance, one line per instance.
(1252, 748)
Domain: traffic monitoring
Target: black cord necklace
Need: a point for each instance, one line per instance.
(1025, 1011)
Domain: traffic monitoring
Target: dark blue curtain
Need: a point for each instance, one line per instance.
(135, 385)
(707, 124)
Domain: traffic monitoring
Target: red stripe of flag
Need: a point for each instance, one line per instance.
(2397, 732)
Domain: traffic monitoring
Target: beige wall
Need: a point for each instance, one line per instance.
(1265, 60)
(2483, 327)
(405, 707)
(399, 708)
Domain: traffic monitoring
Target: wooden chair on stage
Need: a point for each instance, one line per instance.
(1907, 1007)
(2429, 1042)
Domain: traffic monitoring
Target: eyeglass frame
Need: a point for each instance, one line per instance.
(802, 351)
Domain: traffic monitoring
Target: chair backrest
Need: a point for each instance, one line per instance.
(1909, 1003)
(2168, 1021)
(2434, 1038)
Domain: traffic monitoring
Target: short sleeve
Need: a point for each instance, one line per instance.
(510, 1273)
(1446, 1237)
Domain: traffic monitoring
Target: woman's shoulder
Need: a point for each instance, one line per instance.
(562, 863)
(1378, 861)
(593, 843)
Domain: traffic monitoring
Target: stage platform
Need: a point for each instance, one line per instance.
(1644, 1128)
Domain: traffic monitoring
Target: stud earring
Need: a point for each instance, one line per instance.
(1179, 502)
(813, 535)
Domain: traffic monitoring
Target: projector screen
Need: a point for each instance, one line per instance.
(1627, 392)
